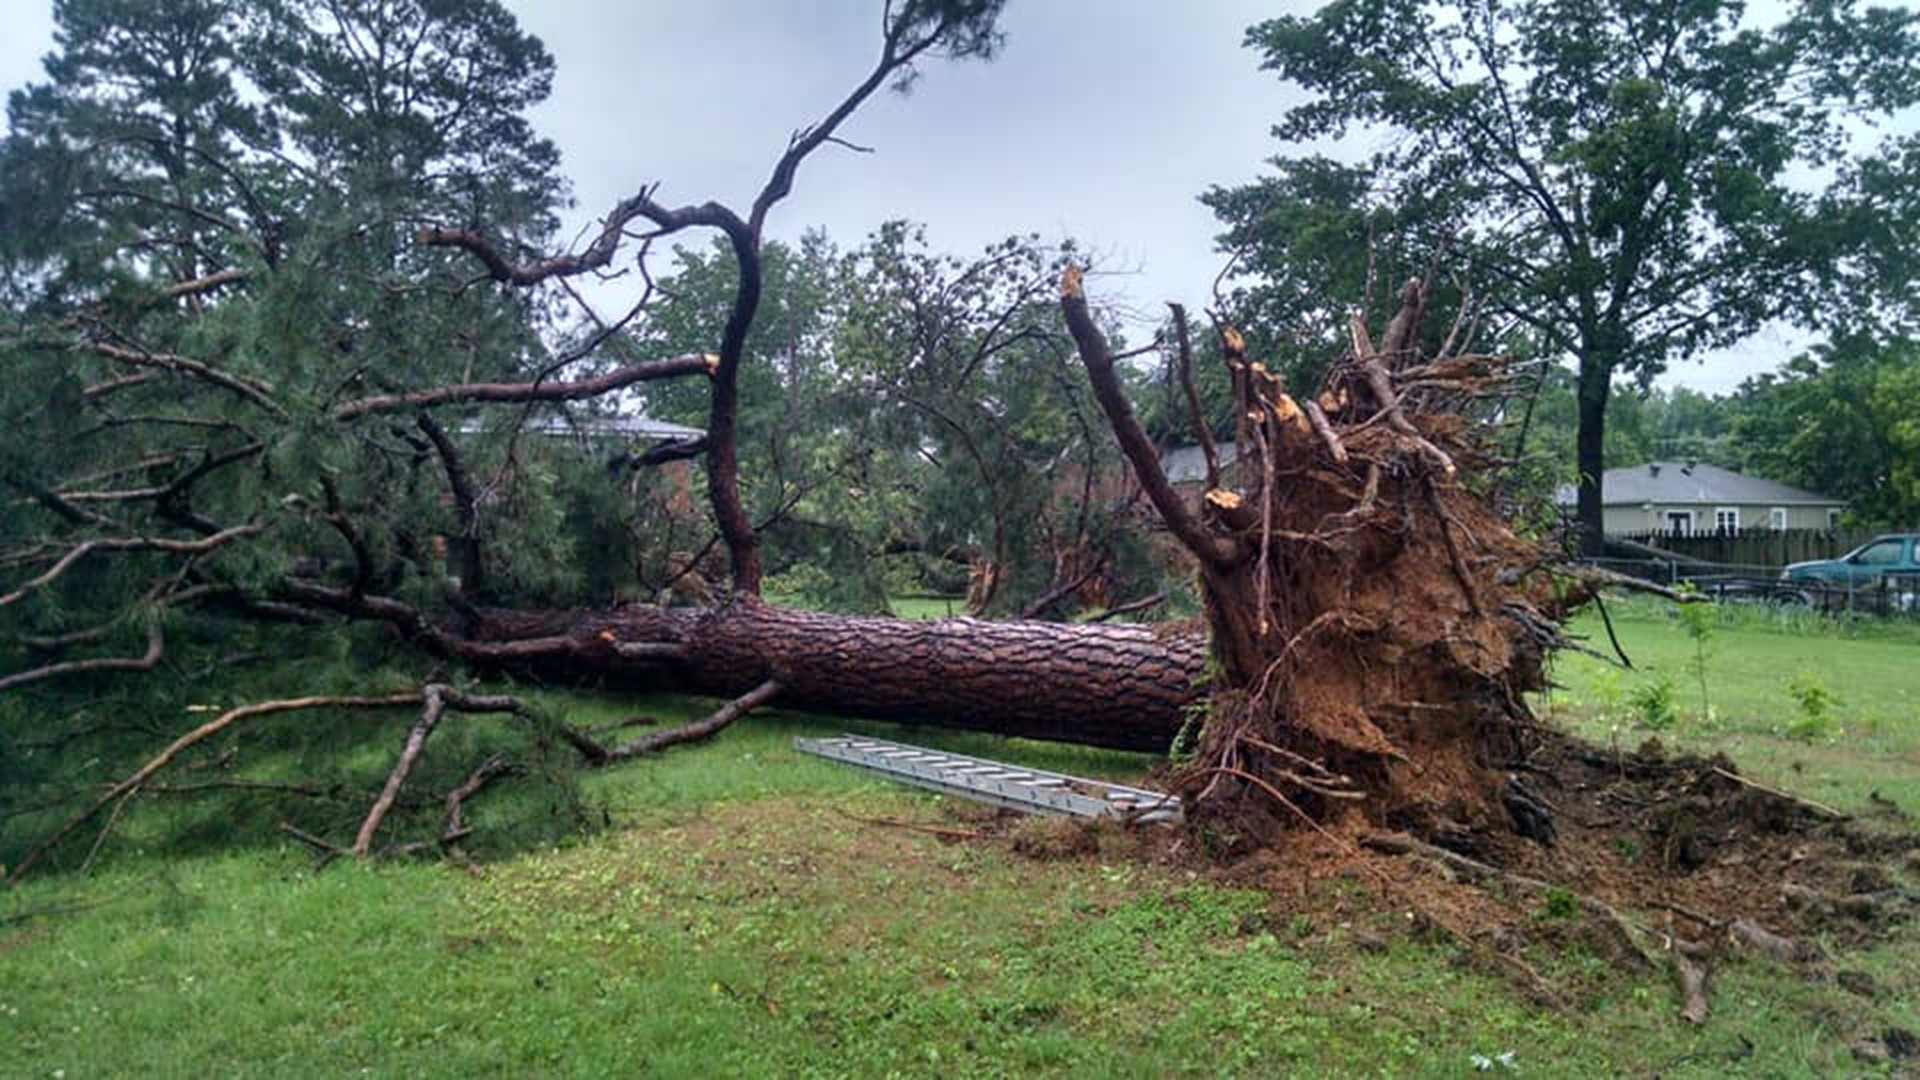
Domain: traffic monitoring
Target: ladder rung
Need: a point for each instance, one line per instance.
(1030, 790)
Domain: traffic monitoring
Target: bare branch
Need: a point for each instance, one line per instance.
(1095, 354)
(690, 364)
(102, 389)
(436, 699)
(128, 543)
(159, 761)
(336, 516)
(1129, 607)
(699, 730)
(156, 647)
(455, 827)
(598, 254)
(203, 284)
(408, 756)
(257, 393)
(60, 504)
(466, 503)
(1195, 414)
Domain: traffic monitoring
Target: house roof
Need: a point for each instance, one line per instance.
(1188, 464)
(1683, 482)
(563, 425)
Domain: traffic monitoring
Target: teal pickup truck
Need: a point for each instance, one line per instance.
(1895, 555)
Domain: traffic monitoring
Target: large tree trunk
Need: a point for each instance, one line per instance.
(1124, 687)
(1590, 454)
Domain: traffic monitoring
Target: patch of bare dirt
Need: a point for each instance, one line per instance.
(1647, 859)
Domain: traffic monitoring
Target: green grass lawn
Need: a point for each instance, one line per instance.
(741, 910)
(1762, 665)
(927, 607)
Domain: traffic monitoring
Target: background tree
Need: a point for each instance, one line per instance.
(1313, 242)
(1628, 181)
(796, 447)
(910, 418)
(988, 416)
(1841, 420)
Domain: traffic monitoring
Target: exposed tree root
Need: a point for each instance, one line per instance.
(1691, 975)
(1624, 937)
(1372, 645)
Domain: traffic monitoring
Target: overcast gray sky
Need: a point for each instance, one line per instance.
(1101, 121)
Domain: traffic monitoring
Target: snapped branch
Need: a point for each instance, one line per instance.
(690, 364)
(156, 648)
(1098, 358)
(127, 543)
(140, 776)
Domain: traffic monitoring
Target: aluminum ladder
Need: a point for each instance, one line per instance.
(1032, 791)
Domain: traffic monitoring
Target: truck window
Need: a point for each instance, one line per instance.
(1883, 553)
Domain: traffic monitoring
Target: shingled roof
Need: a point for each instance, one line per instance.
(1683, 482)
(1188, 464)
(572, 425)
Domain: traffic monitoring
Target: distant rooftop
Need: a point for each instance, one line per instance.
(1692, 482)
(569, 425)
(1188, 464)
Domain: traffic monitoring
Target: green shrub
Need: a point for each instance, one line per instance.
(1817, 704)
(1653, 703)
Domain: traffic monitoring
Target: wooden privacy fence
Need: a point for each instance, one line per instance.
(1758, 548)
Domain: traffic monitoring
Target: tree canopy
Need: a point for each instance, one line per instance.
(1841, 420)
(1630, 183)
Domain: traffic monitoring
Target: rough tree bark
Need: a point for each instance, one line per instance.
(1371, 620)
(1124, 687)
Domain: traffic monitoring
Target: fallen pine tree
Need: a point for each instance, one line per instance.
(1372, 622)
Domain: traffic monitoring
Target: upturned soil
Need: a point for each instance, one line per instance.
(1654, 860)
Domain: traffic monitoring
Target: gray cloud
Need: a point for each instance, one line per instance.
(1099, 121)
(1102, 121)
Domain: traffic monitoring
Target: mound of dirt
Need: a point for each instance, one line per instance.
(1642, 857)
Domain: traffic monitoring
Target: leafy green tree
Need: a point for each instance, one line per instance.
(1841, 420)
(806, 437)
(1622, 178)
(904, 401)
(122, 165)
(978, 401)
(1880, 204)
(1320, 244)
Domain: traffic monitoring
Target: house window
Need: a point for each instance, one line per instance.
(1777, 519)
(1726, 519)
(1833, 519)
(1680, 522)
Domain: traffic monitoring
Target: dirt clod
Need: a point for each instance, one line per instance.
(1900, 1043)
(1858, 982)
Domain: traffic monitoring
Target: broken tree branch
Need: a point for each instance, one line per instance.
(156, 648)
(212, 727)
(690, 364)
(705, 728)
(436, 698)
(409, 753)
(1098, 359)
(255, 392)
(127, 543)
(1196, 416)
